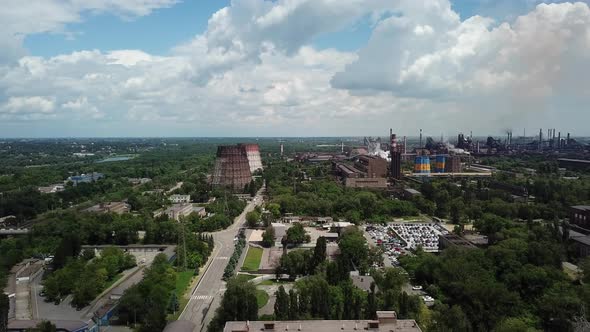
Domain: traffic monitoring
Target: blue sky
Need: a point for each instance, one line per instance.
(291, 68)
(156, 33)
(168, 27)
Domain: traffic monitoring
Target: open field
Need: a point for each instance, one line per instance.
(261, 298)
(252, 261)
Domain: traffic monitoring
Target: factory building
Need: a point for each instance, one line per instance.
(253, 154)
(580, 216)
(574, 164)
(232, 167)
(366, 172)
(372, 166)
(453, 165)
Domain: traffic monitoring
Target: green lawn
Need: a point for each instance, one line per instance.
(273, 282)
(245, 277)
(183, 279)
(112, 282)
(261, 298)
(253, 258)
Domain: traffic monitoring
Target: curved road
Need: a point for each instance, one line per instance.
(206, 295)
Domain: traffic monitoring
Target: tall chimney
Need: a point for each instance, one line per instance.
(405, 145)
(420, 138)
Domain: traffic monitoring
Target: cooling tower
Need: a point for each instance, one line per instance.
(232, 168)
(422, 165)
(253, 153)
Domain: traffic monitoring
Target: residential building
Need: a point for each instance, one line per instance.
(54, 188)
(410, 193)
(580, 216)
(110, 207)
(137, 181)
(61, 325)
(176, 211)
(176, 199)
(386, 321)
(85, 178)
(371, 183)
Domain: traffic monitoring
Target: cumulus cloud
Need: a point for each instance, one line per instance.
(27, 108)
(254, 72)
(518, 67)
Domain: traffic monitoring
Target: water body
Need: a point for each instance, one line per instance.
(112, 159)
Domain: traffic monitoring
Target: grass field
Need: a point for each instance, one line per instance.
(261, 298)
(273, 282)
(253, 258)
(245, 277)
(183, 279)
(112, 282)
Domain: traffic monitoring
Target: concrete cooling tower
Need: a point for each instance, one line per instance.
(253, 153)
(232, 168)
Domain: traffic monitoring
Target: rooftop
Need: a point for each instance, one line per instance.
(408, 325)
(61, 325)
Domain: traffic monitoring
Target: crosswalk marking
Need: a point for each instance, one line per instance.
(201, 297)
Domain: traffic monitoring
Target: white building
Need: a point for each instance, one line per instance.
(54, 188)
(176, 199)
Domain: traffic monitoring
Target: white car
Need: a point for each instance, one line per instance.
(416, 287)
(427, 298)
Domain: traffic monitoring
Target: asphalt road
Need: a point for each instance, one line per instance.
(205, 296)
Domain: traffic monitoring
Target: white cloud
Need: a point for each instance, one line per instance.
(21, 18)
(20, 107)
(253, 72)
(504, 69)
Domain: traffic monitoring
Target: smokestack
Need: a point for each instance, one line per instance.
(341, 147)
(559, 140)
(405, 145)
(420, 138)
(567, 142)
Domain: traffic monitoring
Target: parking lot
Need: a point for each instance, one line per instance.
(398, 239)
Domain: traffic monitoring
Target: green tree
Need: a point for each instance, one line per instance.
(252, 218)
(281, 304)
(268, 237)
(238, 304)
(319, 254)
(514, 324)
(174, 305)
(45, 326)
(293, 305)
(371, 310)
(296, 234)
(353, 250)
(4, 308)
